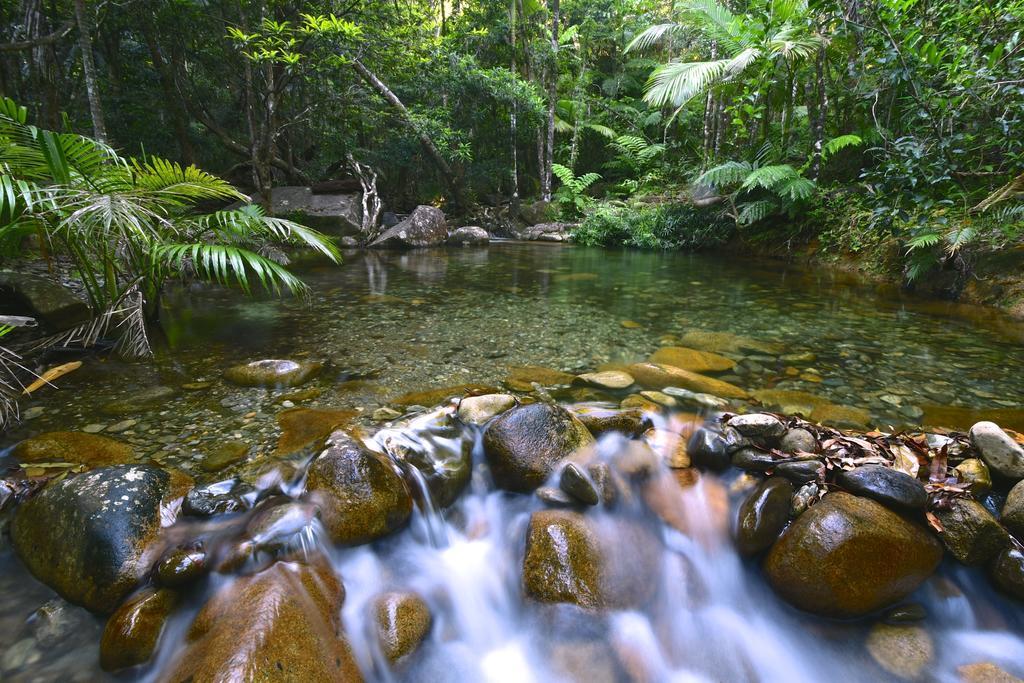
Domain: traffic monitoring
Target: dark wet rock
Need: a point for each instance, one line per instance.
(142, 400)
(91, 450)
(524, 445)
(903, 650)
(555, 497)
(708, 450)
(93, 536)
(446, 471)
(753, 460)
(873, 557)
(280, 526)
(905, 614)
(692, 359)
(479, 409)
(975, 472)
(800, 471)
(804, 498)
(361, 496)
(403, 620)
(575, 482)
(1008, 572)
(657, 376)
(217, 499)
(970, 532)
(224, 455)
(630, 421)
(889, 487)
(763, 515)
(281, 624)
(133, 631)
(272, 373)
(761, 426)
(181, 567)
(469, 235)
(613, 380)
(1012, 515)
(735, 441)
(798, 440)
(1002, 454)
(593, 563)
(425, 227)
(306, 429)
(52, 305)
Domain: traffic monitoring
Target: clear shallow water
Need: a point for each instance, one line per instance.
(393, 323)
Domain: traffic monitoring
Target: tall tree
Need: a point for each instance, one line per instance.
(92, 88)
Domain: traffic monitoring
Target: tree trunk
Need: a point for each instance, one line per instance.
(447, 174)
(513, 117)
(89, 70)
(549, 149)
(172, 100)
(821, 109)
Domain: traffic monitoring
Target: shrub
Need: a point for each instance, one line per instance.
(678, 226)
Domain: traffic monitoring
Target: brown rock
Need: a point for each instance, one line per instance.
(403, 621)
(304, 428)
(90, 450)
(691, 359)
(610, 379)
(849, 556)
(844, 417)
(903, 650)
(655, 376)
(630, 422)
(132, 632)
(224, 455)
(986, 672)
(272, 373)
(970, 532)
(432, 397)
(763, 515)
(547, 377)
(281, 624)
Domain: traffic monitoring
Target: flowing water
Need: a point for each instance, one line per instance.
(388, 324)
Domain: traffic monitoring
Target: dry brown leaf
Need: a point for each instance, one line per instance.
(50, 375)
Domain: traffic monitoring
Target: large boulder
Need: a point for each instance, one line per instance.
(52, 305)
(92, 537)
(469, 236)
(281, 624)
(849, 556)
(361, 496)
(658, 376)
(523, 445)
(589, 561)
(335, 213)
(425, 227)
(80, 448)
(1003, 455)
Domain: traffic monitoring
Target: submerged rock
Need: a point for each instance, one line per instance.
(873, 557)
(361, 496)
(524, 445)
(1002, 454)
(763, 515)
(692, 359)
(655, 376)
(90, 450)
(224, 455)
(144, 399)
(479, 409)
(904, 651)
(889, 487)
(283, 623)
(425, 227)
(971, 534)
(272, 373)
(307, 428)
(609, 379)
(986, 672)
(132, 632)
(93, 536)
(844, 417)
(403, 620)
(430, 397)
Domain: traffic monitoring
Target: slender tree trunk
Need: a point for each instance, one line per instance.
(92, 89)
(172, 100)
(549, 148)
(513, 117)
(821, 109)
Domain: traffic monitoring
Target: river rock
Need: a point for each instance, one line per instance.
(361, 496)
(873, 557)
(425, 227)
(628, 421)
(692, 359)
(305, 429)
(138, 401)
(281, 624)
(403, 620)
(132, 632)
(430, 397)
(971, 534)
(1008, 572)
(1012, 515)
(798, 440)
(975, 472)
(986, 672)
(889, 487)
(801, 471)
(760, 426)
(52, 305)
(593, 563)
(272, 373)
(219, 498)
(446, 471)
(904, 651)
(91, 450)
(763, 515)
(577, 484)
(754, 460)
(1002, 454)
(523, 445)
(656, 376)
(93, 536)
(614, 380)
(709, 450)
(479, 409)
(181, 567)
(224, 454)
(469, 235)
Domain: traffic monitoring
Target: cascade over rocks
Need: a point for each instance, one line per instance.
(93, 536)
(425, 227)
(849, 556)
(523, 445)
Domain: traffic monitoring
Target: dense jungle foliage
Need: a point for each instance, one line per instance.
(872, 126)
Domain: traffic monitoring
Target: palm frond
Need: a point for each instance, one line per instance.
(653, 36)
(676, 83)
(714, 19)
(225, 264)
(247, 223)
(187, 184)
(723, 175)
(839, 143)
(796, 189)
(753, 212)
(768, 177)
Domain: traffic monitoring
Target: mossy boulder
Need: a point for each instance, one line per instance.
(692, 359)
(659, 376)
(360, 494)
(132, 632)
(92, 537)
(523, 445)
(281, 624)
(590, 562)
(849, 556)
(80, 448)
(403, 620)
(272, 373)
